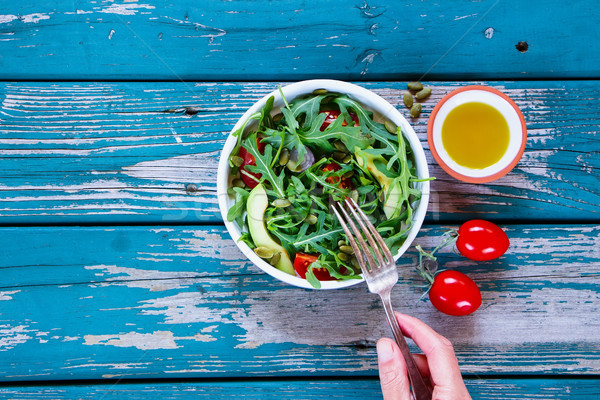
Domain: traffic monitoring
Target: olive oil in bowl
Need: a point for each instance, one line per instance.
(475, 135)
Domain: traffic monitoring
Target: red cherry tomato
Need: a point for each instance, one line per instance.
(250, 160)
(332, 116)
(454, 293)
(344, 183)
(481, 240)
(261, 146)
(301, 263)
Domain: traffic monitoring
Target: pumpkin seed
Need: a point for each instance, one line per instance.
(230, 191)
(342, 243)
(354, 195)
(343, 257)
(354, 262)
(346, 249)
(382, 196)
(277, 117)
(390, 126)
(237, 161)
(282, 203)
(238, 183)
(415, 111)
(340, 146)
(347, 159)
(293, 166)
(284, 157)
(264, 252)
(311, 219)
(275, 259)
(349, 174)
(408, 100)
(416, 86)
(423, 94)
(338, 155)
(319, 91)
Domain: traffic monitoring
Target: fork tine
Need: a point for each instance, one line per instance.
(366, 232)
(376, 235)
(351, 238)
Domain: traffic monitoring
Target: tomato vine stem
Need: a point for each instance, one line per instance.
(424, 269)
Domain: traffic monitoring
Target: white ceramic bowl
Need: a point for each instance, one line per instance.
(369, 100)
(506, 107)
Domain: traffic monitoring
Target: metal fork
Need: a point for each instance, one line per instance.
(381, 276)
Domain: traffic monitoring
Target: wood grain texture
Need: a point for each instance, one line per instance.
(346, 40)
(176, 299)
(364, 389)
(143, 302)
(126, 152)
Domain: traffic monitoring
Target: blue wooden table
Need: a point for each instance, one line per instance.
(118, 279)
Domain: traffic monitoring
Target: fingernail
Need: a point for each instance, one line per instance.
(385, 351)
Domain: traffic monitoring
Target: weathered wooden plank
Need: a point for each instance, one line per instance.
(90, 303)
(229, 40)
(480, 389)
(125, 152)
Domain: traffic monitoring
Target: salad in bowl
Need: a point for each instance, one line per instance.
(299, 149)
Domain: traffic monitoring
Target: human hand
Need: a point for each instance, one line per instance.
(438, 365)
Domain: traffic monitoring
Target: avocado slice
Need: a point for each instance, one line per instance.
(376, 164)
(255, 207)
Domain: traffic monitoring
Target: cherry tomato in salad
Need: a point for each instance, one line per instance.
(332, 116)
(301, 263)
(481, 240)
(250, 160)
(454, 293)
(344, 183)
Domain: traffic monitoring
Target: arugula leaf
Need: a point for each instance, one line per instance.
(298, 185)
(318, 201)
(265, 115)
(292, 124)
(325, 184)
(309, 106)
(316, 238)
(401, 155)
(246, 238)
(239, 135)
(334, 265)
(289, 137)
(311, 278)
(403, 181)
(366, 189)
(263, 165)
(367, 124)
(292, 141)
(284, 240)
(315, 137)
(351, 136)
(239, 206)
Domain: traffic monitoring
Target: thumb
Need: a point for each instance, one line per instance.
(392, 371)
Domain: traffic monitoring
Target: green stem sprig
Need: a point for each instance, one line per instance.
(425, 269)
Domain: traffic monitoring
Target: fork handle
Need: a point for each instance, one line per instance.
(420, 390)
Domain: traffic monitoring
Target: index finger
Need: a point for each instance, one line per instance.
(442, 361)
